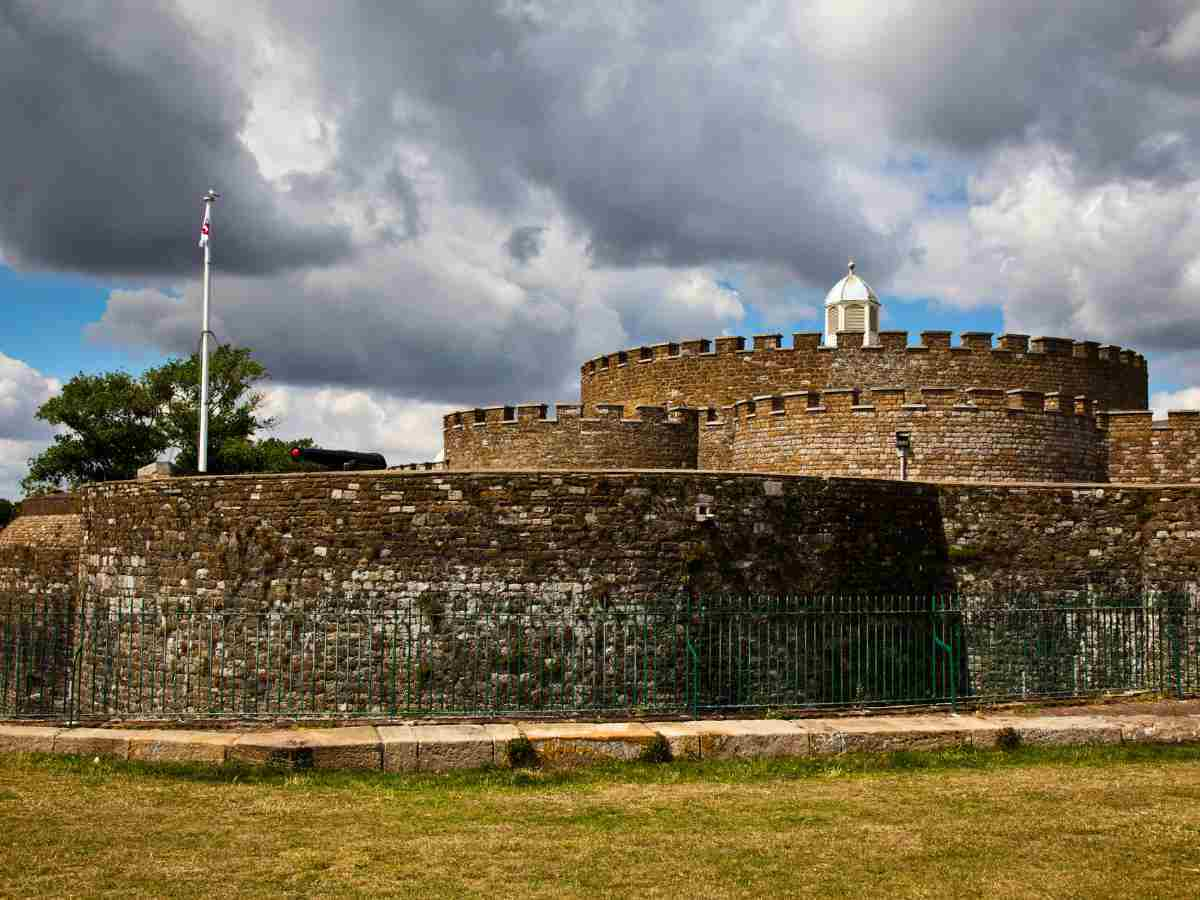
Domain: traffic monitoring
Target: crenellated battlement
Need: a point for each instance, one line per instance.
(979, 407)
(969, 342)
(954, 433)
(578, 436)
(1144, 451)
(868, 401)
(719, 371)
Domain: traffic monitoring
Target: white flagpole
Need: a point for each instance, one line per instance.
(202, 463)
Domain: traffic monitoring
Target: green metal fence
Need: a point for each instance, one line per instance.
(667, 655)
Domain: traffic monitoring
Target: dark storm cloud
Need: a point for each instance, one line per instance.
(117, 119)
(772, 139)
(408, 331)
(525, 243)
(660, 152)
(1099, 78)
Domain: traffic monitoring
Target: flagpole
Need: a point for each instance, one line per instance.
(202, 454)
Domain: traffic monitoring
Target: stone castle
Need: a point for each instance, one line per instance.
(839, 404)
(700, 465)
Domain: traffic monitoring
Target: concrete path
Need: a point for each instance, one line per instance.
(441, 748)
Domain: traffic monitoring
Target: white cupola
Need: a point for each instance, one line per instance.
(852, 306)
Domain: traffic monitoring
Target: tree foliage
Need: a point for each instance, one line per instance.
(113, 423)
(8, 511)
(233, 403)
(109, 423)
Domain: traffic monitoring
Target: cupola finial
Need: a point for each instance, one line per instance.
(851, 266)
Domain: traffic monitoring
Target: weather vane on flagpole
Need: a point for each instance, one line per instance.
(205, 236)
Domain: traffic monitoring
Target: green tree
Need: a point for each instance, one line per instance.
(112, 424)
(268, 455)
(8, 511)
(233, 405)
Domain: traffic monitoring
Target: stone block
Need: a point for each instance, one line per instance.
(181, 746)
(887, 734)
(357, 747)
(566, 745)
(27, 739)
(274, 748)
(318, 748)
(1160, 729)
(751, 738)
(155, 471)
(501, 734)
(682, 737)
(107, 742)
(1061, 731)
(441, 748)
(399, 747)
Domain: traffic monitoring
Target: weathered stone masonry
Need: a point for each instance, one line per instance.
(1140, 450)
(975, 435)
(720, 372)
(1050, 409)
(523, 437)
(363, 540)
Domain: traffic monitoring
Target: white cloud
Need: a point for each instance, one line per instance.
(1163, 401)
(22, 390)
(1115, 259)
(368, 421)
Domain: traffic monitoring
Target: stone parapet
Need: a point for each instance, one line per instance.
(1142, 451)
(954, 434)
(720, 372)
(597, 437)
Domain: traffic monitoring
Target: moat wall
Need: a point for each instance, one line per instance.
(372, 540)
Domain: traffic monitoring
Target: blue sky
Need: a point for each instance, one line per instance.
(45, 318)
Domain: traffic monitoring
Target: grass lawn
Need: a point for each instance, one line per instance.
(1078, 822)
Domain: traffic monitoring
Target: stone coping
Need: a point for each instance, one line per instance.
(370, 474)
(441, 748)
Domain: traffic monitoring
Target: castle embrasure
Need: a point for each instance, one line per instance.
(840, 403)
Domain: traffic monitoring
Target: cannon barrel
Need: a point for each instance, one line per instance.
(339, 459)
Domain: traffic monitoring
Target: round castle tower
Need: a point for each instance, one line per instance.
(842, 401)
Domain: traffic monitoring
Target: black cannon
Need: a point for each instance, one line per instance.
(347, 460)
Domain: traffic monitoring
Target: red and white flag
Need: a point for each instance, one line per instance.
(204, 226)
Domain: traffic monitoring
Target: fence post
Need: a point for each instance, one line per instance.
(692, 689)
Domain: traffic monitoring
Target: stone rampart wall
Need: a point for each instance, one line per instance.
(522, 437)
(1141, 451)
(975, 435)
(26, 530)
(717, 373)
(28, 572)
(364, 541)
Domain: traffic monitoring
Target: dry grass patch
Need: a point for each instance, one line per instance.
(1103, 822)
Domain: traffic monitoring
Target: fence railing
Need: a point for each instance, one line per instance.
(691, 655)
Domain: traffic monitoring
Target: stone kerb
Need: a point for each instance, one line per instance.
(556, 745)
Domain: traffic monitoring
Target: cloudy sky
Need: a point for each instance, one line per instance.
(435, 203)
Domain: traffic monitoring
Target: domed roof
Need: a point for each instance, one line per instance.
(850, 288)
